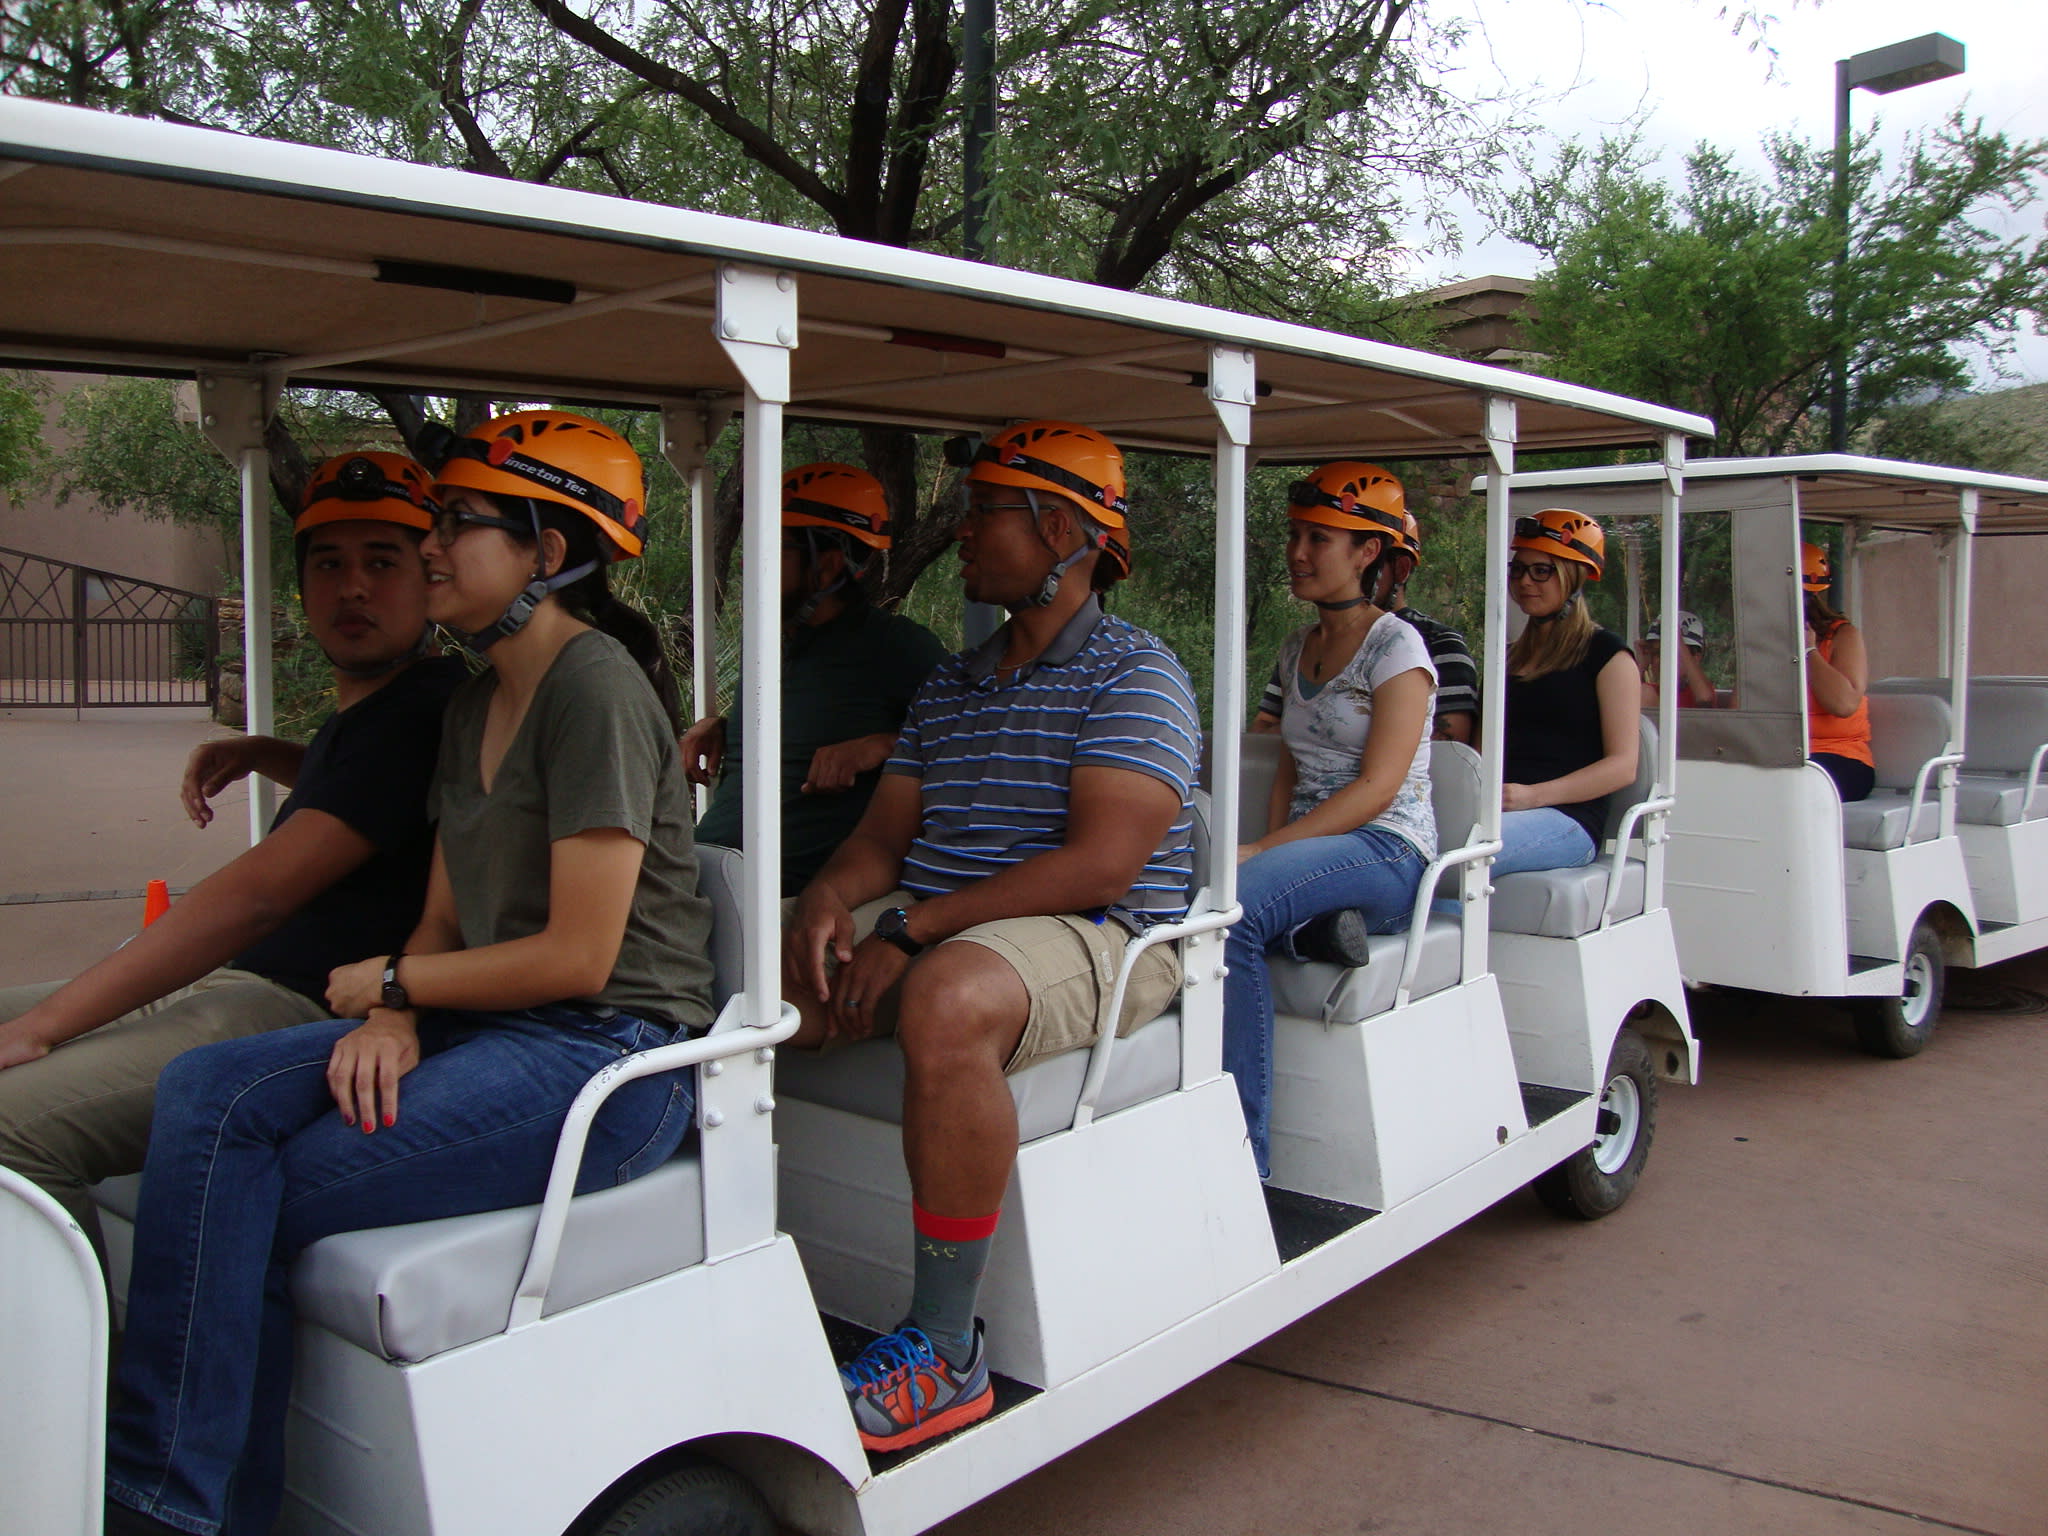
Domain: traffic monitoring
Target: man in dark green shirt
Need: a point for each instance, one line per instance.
(849, 672)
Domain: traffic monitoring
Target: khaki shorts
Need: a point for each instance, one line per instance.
(1068, 965)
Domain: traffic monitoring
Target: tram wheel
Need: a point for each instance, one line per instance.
(1596, 1180)
(693, 1497)
(1901, 1026)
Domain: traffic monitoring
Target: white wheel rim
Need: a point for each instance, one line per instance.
(1624, 1101)
(1916, 998)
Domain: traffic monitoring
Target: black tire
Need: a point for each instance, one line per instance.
(1596, 1180)
(1901, 1026)
(685, 1498)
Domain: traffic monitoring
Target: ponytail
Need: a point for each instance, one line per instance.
(591, 598)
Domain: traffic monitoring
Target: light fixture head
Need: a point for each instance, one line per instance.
(1900, 65)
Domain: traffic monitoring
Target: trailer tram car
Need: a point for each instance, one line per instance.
(660, 1357)
(1775, 884)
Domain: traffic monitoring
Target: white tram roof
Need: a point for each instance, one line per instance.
(1886, 493)
(138, 246)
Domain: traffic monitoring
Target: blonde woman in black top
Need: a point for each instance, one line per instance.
(1572, 700)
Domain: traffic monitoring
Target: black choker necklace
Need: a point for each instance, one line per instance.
(1352, 602)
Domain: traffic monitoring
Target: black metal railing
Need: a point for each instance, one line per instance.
(72, 637)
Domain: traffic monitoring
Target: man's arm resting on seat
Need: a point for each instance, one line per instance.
(215, 921)
(214, 765)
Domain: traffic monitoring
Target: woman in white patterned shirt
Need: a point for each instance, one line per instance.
(1350, 819)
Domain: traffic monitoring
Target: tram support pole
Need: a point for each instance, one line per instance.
(234, 411)
(756, 324)
(1475, 880)
(1956, 636)
(687, 433)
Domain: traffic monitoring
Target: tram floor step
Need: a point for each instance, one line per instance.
(1541, 1103)
(1858, 964)
(1303, 1223)
(848, 1339)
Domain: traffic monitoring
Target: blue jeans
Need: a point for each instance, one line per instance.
(249, 1162)
(1370, 869)
(1544, 838)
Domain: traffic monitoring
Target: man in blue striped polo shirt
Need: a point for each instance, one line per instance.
(1036, 813)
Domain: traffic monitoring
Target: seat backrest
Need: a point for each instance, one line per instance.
(1906, 729)
(2007, 722)
(719, 873)
(1456, 785)
(1261, 760)
(1937, 686)
(1637, 790)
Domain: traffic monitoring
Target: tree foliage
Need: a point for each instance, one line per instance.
(1715, 296)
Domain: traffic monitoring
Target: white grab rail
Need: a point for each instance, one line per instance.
(736, 1040)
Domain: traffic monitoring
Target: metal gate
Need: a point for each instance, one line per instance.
(75, 638)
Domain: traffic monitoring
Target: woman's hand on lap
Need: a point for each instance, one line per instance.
(368, 1061)
(1518, 797)
(1249, 851)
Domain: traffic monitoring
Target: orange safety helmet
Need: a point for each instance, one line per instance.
(560, 457)
(1410, 542)
(368, 486)
(1815, 573)
(1361, 498)
(1564, 535)
(838, 497)
(1070, 460)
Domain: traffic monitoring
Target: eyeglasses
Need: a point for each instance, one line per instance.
(449, 523)
(1538, 571)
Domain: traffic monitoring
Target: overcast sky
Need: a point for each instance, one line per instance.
(1677, 65)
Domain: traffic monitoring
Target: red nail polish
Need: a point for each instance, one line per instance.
(391, 1119)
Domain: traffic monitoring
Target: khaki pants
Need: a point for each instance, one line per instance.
(81, 1113)
(1068, 965)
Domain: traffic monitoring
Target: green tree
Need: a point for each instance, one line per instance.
(23, 458)
(1715, 296)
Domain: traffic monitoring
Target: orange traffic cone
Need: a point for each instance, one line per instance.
(156, 901)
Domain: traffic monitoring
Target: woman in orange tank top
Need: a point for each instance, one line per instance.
(1837, 672)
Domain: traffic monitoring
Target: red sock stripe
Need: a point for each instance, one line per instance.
(954, 1229)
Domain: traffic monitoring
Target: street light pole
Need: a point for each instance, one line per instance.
(1881, 71)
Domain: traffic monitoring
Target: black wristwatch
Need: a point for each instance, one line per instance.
(894, 925)
(393, 995)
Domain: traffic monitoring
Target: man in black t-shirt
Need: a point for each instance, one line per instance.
(1457, 679)
(341, 876)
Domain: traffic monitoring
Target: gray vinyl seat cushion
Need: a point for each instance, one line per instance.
(1906, 730)
(1997, 799)
(1565, 903)
(412, 1292)
(1314, 989)
(867, 1079)
(1878, 822)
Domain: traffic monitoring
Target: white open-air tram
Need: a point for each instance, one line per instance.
(1775, 884)
(641, 1359)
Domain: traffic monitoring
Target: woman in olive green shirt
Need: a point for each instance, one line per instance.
(562, 930)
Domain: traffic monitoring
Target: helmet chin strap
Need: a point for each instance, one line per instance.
(810, 605)
(1049, 589)
(420, 647)
(537, 591)
(1563, 608)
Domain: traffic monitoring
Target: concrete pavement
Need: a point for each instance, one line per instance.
(1821, 1312)
(91, 805)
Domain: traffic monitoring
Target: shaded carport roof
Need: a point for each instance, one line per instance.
(129, 245)
(1883, 493)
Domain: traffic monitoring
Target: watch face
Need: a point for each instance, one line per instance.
(892, 922)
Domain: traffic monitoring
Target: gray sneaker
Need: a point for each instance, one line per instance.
(903, 1392)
